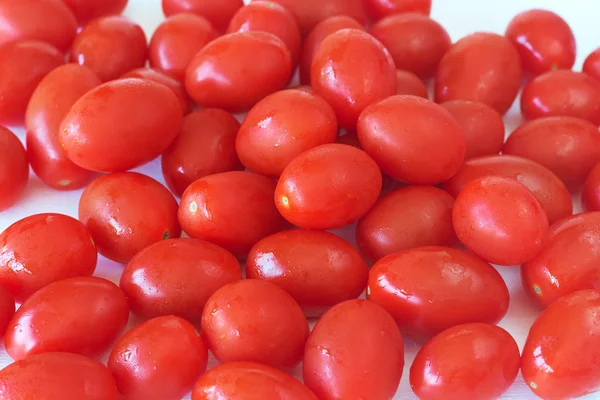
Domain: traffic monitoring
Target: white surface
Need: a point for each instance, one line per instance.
(459, 17)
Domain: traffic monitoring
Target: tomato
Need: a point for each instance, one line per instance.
(500, 220)
(412, 139)
(470, 361)
(482, 125)
(249, 381)
(54, 376)
(379, 9)
(280, 127)
(7, 309)
(567, 146)
(410, 84)
(219, 13)
(254, 320)
(176, 41)
(591, 66)
(544, 40)
(235, 71)
(159, 359)
(22, 66)
(483, 67)
(133, 121)
(338, 365)
(81, 315)
(327, 187)
(41, 249)
(173, 84)
(110, 46)
(543, 183)
(319, 269)
(14, 169)
(351, 70)
(87, 10)
(590, 195)
(562, 93)
(560, 356)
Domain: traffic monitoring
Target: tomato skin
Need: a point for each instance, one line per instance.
(254, 320)
(219, 13)
(82, 315)
(410, 84)
(470, 361)
(336, 348)
(87, 10)
(590, 195)
(499, 231)
(591, 65)
(264, 143)
(133, 121)
(351, 70)
(44, 248)
(483, 67)
(158, 360)
(379, 9)
(327, 187)
(14, 169)
(158, 77)
(7, 309)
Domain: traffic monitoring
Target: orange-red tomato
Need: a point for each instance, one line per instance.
(410, 84)
(219, 13)
(14, 169)
(7, 308)
(379, 9)
(591, 66)
(171, 83)
(590, 195)
(87, 10)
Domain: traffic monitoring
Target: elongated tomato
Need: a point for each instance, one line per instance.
(590, 196)
(7, 308)
(87, 10)
(219, 13)
(14, 168)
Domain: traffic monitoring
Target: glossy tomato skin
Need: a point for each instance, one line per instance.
(56, 376)
(590, 195)
(327, 187)
(14, 169)
(351, 70)
(469, 361)
(264, 143)
(7, 309)
(410, 84)
(158, 360)
(379, 9)
(336, 348)
(44, 248)
(219, 13)
(158, 77)
(120, 125)
(82, 315)
(482, 67)
(254, 320)
(412, 139)
(87, 10)
(591, 65)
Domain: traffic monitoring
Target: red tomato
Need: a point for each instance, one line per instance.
(158, 360)
(41, 249)
(280, 127)
(412, 139)
(235, 71)
(483, 67)
(173, 84)
(500, 220)
(327, 187)
(543, 183)
(410, 84)
(379, 9)
(253, 320)
(81, 315)
(351, 70)
(87, 10)
(318, 269)
(14, 169)
(591, 190)
(470, 361)
(338, 365)
(54, 376)
(482, 125)
(211, 209)
(7, 309)
(544, 40)
(591, 66)
(219, 13)
(110, 46)
(133, 121)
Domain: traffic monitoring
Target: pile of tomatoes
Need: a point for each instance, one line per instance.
(432, 190)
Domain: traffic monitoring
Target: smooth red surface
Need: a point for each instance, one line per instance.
(219, 13)
(159, 77)
(379, 9)
(410, 84)
(87, 10)
(591, 65)
(590, 196)
(7, 308)
(14, 169)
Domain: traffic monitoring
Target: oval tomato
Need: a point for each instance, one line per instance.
(158, 77)
(87, 10)
(590, 195)
(410, 84)
(219, 13)
(591, 65)
(379, 9)
(7, 309)
(14, 169)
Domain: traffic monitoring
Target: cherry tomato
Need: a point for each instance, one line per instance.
(470, 361)
(410, 84)
(41, 249)
(500, 220)
(483, 67)
(173, 84)
(81, 315)
(562, 93)
(338, 365)
(544, 40)
(254, 320)
(319, 269)
(560, 356)
(412, 139)
(280, 127)
(591, 66)
(14, 169)
(219, 13)
(53, 376)
(7, 309)
(235, 71)
(249, 381)
(22, 66)
(351, 70)
(87, 10)
(591, 190)
(327, 187)
(158, 360)
(379, 9)
(543, 183)
(120, 125)
(110, 46)
(567, 146)
(177, 40)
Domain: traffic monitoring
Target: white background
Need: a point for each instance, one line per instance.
(459, 17)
